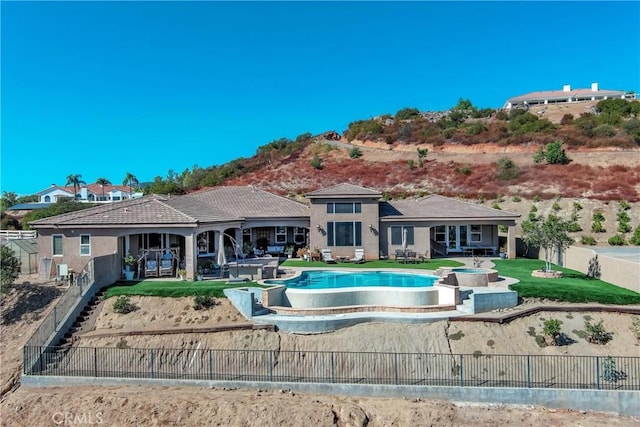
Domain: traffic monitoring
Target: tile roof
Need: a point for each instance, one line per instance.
(345, 190)
(148, 210)
(219, 204)
(439, 208)
(250, 202)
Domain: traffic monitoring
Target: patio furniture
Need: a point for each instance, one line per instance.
(166, 265)
(150, 266)
(411, 257)
(358, 257)
(401, 255)
(327, 257)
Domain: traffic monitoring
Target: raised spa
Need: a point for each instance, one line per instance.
(471, 277)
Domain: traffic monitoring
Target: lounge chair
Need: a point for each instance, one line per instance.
(359, 257)
(151, 267)
(327, 257)
(166, 265)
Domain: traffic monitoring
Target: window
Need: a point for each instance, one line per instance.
(281, 235)
(397, 232)
(476, 233)
(298, 236)
(85, 244)
(344, 233)
(47, 199)
(344, 207)
(56, 240)
(441, 234)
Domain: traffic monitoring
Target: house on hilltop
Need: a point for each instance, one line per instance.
(566, 95)
(198, 228)
(92, 193)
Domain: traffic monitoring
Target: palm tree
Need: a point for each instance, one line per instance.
(102, 182)
(76, 181)
(130, 179)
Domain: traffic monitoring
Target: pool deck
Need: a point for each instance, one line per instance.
(309, 324)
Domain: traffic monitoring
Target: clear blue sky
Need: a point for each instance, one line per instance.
(102, 88)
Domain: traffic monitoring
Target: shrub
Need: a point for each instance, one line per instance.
(448, 133)
(495, 205)
(567, 119)
(465, 170)
(410, 164)
(617, 240)
(632, 128)
(588, 240)
(507, 169)
(407, 114)
(355, 152)
(476, 128)
(316, 162)
(597, 227)
(551, 328)
(515, 199)
(605, 130)
(596, 333)
(577, 206)
(555, 154)
(555, 207)
(597, 216)
(635, 239)
(123, 305)
(203, 302)
(624, 205)
(574, 227)
(609, 371)
(635, 327)
(624, 227)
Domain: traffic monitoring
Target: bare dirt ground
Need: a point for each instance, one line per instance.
(131, 405)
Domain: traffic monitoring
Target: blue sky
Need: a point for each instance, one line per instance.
(102, 88)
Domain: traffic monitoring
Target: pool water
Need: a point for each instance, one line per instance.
(348, 279)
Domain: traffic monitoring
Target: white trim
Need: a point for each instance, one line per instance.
(53, 245)
(88, 245)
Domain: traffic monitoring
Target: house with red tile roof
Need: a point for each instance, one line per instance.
(566, 95)
(202, 229)
(92, 193)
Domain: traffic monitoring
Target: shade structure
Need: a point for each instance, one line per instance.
(404, 239)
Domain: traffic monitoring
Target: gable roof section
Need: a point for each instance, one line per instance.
(249, 202)
(149, 210)
(345, 191)
(436, 207)
(55, 187)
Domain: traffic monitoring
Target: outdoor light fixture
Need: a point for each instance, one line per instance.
(318, 227)
(372, 228)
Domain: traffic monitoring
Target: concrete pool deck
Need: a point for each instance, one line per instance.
(475, 300)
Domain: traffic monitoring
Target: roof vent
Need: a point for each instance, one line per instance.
(126, 210)
(566, 88)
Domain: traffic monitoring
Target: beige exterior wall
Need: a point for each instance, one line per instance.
(368, 216)
(619, 272)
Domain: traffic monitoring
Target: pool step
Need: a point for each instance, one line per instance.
(466, 306)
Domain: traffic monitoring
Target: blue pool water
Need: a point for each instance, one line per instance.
(469, 270)
(348, 279)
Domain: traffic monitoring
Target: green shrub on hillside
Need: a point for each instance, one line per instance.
(617, 240)
(507, 169)
(588, 240)
(407, 114)
(635, 239)
(355, 153)
(316, 162)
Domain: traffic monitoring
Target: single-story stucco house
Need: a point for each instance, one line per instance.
(194, 227)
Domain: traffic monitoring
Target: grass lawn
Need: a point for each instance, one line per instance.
(159, 288)
(431, 264)
(573, 287)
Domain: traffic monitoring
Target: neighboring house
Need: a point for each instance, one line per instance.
(566, 95)
(92, 193)
(197, 226)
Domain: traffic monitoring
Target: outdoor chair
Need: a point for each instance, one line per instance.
(411, 257)
(358, 257)
(401, 255)
(151, 267)
(327, 257)
(166, 265)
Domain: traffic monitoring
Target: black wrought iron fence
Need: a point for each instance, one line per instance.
(465, 370)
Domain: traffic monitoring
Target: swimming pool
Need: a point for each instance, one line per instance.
(322, 279)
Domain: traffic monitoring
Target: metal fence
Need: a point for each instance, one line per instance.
(53, 321)
(464, 370)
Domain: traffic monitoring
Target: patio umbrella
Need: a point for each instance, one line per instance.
(222, 258)
(404, 239)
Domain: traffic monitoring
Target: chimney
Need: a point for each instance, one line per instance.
(594, 87)
(566, 88)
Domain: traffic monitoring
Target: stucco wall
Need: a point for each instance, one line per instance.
(620, 272)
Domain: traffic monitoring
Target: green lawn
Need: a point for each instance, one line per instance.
(159, 288)
(431, 264)
(573, 287)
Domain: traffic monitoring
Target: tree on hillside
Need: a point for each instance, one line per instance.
(130, 180)
(77, 182)
(102, 182)
(9, 198)
(554, 154)
(551, 235)
(10, 269)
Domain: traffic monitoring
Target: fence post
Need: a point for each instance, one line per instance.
(528, 371)
(210, 365)
(41, 356)
(55, 317)
(597, 373)
(395, 367)
(461, 372)
(95, 362)
(151, 353)
(270, 365)
(333, 368)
